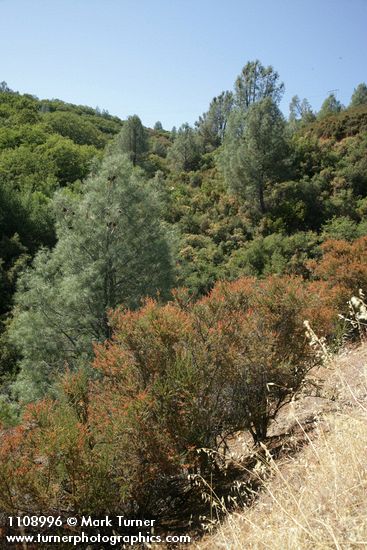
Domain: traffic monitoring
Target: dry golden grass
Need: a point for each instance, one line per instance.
(319, 499)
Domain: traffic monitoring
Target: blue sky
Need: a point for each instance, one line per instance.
(165, 60)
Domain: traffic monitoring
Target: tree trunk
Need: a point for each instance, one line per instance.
(261, 199)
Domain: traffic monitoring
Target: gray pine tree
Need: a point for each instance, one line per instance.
(111, 251)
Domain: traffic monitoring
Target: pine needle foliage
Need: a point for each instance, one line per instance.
(111, 250)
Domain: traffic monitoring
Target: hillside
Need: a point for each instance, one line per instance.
(45, 146)
(319, 195)
(315, 498)
(160, 296)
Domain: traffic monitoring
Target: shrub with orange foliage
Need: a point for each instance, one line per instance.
(271, 354)
(225, 363)
(344, 267)
(48, 463)
(172, 380)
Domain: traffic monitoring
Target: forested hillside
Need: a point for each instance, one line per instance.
(44, 146)
(154, 284)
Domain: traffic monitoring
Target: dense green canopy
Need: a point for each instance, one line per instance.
(111, 250)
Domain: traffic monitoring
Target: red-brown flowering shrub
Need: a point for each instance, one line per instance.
(343, 266)
(49, 463)
(271, 354)
(172, 380)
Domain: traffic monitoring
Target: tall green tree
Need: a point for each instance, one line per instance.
(4, 88)
(359, 96)
(184, 154)
(132, 139)
(255, 83)
(254, 151)
(111, 251)
(300, 110)
(330, 106)
(212, 124)
(13, 219)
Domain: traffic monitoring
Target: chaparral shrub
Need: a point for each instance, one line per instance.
(173, 380)
(50, 464)
(343, 267)
(228, 362)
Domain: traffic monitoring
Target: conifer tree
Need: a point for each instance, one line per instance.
(111, 251)
(255, 83)
(184, 154)
(300, 110)
(330, 106)
(132, 139)
(212, 124)
(254, 150)
(359, 96)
